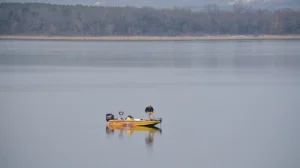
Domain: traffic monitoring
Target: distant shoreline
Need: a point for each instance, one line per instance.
(149, 38)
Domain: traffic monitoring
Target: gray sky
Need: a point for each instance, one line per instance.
(154, 3)
(166, 3)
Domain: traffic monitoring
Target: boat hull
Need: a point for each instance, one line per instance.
(137, 128)
(133, 123)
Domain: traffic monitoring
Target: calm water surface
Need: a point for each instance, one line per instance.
(226, 104)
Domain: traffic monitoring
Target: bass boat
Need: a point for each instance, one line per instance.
(130, 121)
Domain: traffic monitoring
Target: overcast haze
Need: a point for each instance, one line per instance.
(271, 4)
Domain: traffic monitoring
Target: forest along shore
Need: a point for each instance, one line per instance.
(124, 38)
(46, 21)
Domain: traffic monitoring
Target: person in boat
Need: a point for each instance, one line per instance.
(150, 111)
(129, 117)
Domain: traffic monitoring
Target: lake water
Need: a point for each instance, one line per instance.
(224, 104)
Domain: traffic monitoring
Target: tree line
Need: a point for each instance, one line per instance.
(49, 19)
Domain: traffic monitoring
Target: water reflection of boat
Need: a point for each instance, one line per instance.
(130, 130)
(110, 130)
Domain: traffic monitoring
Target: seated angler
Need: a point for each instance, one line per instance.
(129, 117)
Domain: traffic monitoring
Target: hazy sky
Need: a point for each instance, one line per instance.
(160, 3)
(127, 2)
(138, 3)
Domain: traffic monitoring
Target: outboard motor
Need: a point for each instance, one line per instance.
(109, 117)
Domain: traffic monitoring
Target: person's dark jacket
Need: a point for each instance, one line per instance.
(149, 109)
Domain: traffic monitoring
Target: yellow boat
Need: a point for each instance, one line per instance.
(130, 122)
